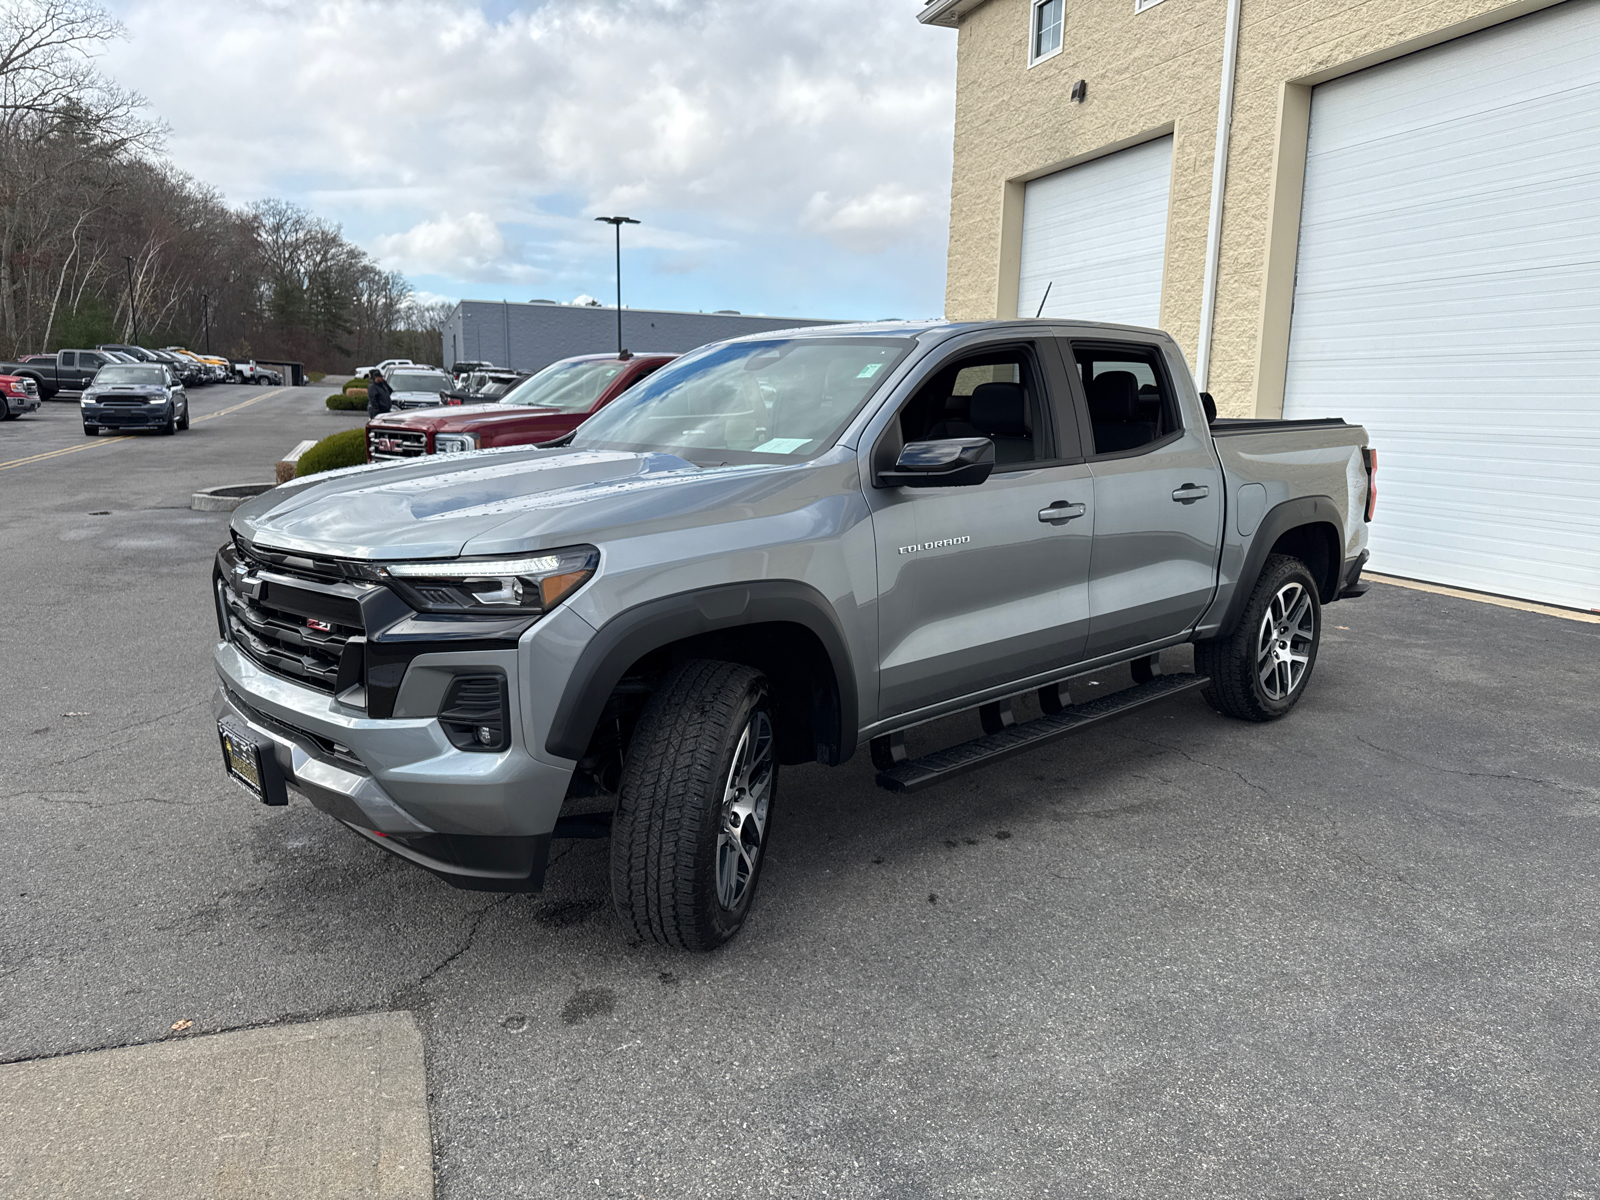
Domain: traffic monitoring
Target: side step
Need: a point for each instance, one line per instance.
(915, 774)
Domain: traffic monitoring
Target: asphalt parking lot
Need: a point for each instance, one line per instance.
(1353, 953)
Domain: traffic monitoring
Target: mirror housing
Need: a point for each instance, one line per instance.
(953, 462)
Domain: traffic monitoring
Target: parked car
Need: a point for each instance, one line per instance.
(385, 367)
(543, 407)
(137, 353)
(184, 368)
(464, 367)
(18, 395)
(66, 372)
(136, 396)
(418, 387)
(773, 551)
(480, 387)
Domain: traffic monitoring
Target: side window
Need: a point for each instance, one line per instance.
(1045, 35)
(1130, 397)
(67, 358)
(995, 394)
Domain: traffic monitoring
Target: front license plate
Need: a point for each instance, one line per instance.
(242, 759)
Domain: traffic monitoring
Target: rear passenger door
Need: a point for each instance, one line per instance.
(1158, 496)
(983, 585)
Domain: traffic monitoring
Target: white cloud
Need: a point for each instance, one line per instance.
(468, 247)
(733, 127)
(872, 221)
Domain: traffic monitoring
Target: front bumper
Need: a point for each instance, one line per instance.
(477, 820)
(17, 405)
(128, 416)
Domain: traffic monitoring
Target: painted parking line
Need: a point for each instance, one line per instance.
(34, 458)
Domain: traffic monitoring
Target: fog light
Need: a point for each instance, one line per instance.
(485, 735)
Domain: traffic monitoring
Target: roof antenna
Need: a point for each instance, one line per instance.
(1043, 298)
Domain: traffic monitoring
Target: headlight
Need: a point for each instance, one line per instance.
(454, 443)
(88, 397)
(530, 585)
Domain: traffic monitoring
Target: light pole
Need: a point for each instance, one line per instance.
(133, 307)
(617, 223)
(205, 312)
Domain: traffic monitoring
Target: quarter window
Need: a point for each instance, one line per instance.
(1046, 33)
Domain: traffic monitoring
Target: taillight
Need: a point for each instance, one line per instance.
(1370, 457)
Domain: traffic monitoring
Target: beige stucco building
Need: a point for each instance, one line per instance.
(1384, 129)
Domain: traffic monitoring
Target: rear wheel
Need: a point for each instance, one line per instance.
(694, 807)
(1260, 671)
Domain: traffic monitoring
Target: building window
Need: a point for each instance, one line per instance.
(1140, 5)
(1045, 36)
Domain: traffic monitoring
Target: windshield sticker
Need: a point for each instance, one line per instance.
(868, 371)
(781, 446)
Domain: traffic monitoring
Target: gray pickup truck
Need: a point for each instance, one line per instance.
(66, 371)
(775, 550)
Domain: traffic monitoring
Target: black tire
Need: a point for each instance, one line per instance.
(674, 859)
(183, 421)
(91, 430)
(171, 427)
(5, 412)
(1238, 662)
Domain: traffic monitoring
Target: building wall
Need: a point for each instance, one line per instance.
(1156, 72)
(528, 337)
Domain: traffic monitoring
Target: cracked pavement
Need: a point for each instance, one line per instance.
(1352, 953)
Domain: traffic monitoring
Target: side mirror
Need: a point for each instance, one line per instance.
(1210, 407)
(954, 462)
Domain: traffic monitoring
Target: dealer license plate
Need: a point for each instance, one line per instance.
(242, 758)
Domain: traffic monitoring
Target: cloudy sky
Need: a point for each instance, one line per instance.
(787, 158)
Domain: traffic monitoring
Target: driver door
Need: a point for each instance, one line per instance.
(983, 585)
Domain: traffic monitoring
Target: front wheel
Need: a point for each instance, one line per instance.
(1260, 670)
(694, 807)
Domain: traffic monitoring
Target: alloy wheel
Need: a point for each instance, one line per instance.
(1283, 645)
(741, 835)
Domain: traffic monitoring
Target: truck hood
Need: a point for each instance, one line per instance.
(493, 502)
(452, 415)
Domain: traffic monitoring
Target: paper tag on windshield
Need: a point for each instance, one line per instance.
(781, 446)
(868, 371)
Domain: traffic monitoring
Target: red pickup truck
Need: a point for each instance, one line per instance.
(541, 408)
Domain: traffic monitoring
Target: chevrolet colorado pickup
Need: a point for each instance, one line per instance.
(775, 550)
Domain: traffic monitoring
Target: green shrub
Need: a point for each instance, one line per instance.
(347, 449)
(356, 385)
(347, 401)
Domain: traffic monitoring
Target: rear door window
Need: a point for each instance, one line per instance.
(1129, 395)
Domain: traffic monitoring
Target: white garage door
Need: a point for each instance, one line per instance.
(1448, 298)
(1097, 235)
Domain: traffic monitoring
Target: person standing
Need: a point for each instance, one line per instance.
(378, 393)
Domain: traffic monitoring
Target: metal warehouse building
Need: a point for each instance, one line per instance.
(526, 337)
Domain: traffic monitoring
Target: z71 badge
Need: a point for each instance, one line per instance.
(935, 545)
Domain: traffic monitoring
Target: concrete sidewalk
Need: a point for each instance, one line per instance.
(334, 1108)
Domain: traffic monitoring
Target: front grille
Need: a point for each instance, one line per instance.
(396, 443)
(293, 623)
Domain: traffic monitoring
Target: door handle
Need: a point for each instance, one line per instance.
(1061, 512)
(1190, 492)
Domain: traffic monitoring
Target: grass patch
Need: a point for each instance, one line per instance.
(316, 376)
(347, 449)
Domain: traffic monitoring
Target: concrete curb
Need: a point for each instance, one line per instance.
(227, 498)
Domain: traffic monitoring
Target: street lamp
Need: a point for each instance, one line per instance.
(205, 311)
(133, 307)
(617, 223)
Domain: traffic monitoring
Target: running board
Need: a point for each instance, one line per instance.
(917, 773)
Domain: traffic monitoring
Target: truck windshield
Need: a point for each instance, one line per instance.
(748, 401)
(565, 386)
(129, 374)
